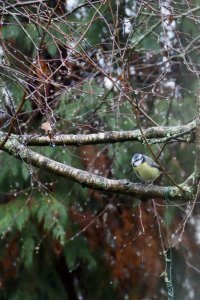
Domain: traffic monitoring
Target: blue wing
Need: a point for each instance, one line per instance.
(154, 165)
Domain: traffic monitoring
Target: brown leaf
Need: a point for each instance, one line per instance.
(170, 18)
(46, 127)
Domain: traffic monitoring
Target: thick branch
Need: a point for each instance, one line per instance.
(154, 134)
(14, 148)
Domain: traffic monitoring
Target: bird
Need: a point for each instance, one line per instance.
(145, 168)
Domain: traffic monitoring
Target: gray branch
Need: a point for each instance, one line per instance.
(86, 179)
(197, 161)
(154, 135)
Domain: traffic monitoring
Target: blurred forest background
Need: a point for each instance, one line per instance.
(76, 67)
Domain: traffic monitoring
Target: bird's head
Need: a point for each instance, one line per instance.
(137, 159)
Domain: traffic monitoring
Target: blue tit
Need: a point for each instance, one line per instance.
(145, 168)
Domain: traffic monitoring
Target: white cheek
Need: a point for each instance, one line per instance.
(137, 163)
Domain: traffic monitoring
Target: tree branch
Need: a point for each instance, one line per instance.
(197, 161)
(86, 179)
(21, 4)
(156, 134)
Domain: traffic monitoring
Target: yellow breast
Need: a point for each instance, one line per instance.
(146, 172)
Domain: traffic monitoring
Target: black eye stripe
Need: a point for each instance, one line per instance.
(140, 158)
